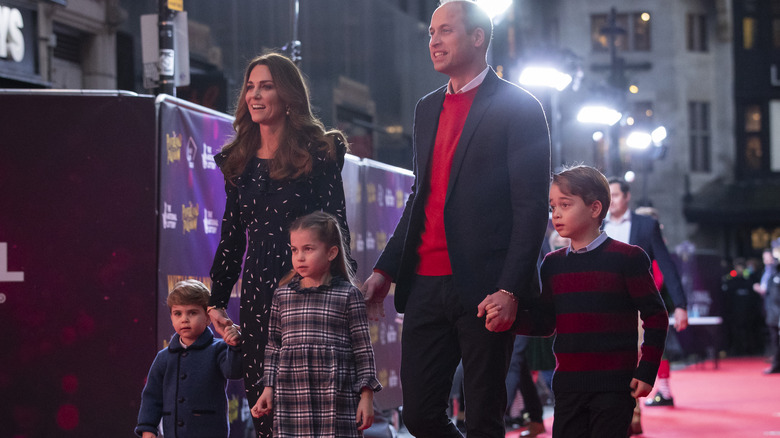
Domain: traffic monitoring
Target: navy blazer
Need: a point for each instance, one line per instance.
(646, 233)
(495, 211)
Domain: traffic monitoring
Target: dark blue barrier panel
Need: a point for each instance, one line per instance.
(78, 262)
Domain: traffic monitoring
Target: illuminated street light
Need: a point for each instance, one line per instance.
(639, 140)
(658, 135)
(494, 8)
(599, 114)
(642, 140)
(544, 77)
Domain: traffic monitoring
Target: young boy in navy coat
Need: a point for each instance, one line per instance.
(186, 383)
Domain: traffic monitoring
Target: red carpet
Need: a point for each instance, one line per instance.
(734, 401)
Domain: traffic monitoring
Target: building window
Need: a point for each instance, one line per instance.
(699, 136)
(775, 10)
(774, 135)
(633, 34)
(696, 33)
(749, 33)
(753, 147)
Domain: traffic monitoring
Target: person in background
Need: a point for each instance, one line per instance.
(281, 164)
(320, 375)
(644, 231)
(769, 288)
(519, 378)
(591, 293)
(470, 232)
(185, 387)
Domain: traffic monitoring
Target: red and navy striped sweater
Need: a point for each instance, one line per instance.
(591, 301)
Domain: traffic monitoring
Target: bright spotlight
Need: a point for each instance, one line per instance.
(658, 135)
(494, 8)
(599, 114)
(639, 140)
(544, 77)
(630, 176)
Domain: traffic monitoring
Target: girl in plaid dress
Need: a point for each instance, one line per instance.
(319, 374)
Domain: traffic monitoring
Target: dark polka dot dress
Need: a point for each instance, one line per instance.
(261, 209)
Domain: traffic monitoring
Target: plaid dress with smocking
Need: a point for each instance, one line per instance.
(318, 358)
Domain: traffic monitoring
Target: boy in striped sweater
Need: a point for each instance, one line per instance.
(591, 293)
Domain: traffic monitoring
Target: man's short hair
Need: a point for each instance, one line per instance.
(474, 16)
(624, 187)
(587, 183)
(189, 292)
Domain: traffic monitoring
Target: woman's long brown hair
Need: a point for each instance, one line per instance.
(303, 132)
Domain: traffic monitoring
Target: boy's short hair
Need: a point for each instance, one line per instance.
(189, 292)
(587, 183)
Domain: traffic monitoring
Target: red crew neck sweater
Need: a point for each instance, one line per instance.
(434, 258)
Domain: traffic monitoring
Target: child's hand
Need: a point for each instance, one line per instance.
(640, 388)
(265, 403)
(492, 311)
(148, 435)
(232, 336)
(365, 410)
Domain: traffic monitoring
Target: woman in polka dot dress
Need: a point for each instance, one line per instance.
(280, 165)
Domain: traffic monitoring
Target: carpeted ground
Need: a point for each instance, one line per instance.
(736, 400)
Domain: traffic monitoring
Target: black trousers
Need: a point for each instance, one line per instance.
(519, 377)
(437, 332)
(593, 414)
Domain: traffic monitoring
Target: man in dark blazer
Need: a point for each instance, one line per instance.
(645, 232)
(470, 233)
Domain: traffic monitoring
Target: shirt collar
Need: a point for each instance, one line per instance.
(589, 247)
(474, 83)
(625, 218)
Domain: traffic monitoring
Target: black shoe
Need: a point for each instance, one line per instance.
(774, 369)
(660, 400)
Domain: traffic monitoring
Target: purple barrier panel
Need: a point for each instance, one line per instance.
(386, 189)
(191, 205)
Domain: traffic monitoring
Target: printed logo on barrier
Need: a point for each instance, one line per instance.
(358, 193)
(389, 197)
(381, 240)
(380, 195)
(173, 147)
(192, 152)
(207, 157)
(370, 193)
(169, 218)
(5, 274)
(210, 224)
(400, 198)
(360, 244)
(189, 217)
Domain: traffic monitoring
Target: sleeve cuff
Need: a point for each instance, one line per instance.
(372, 383)
(385, 274)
